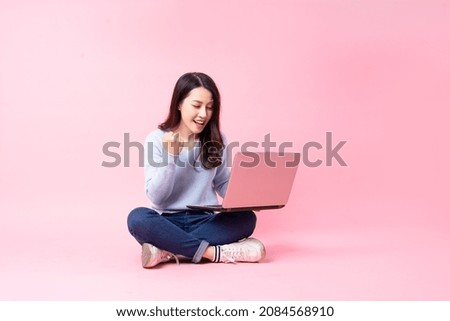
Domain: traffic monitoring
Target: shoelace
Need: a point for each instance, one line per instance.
(228, 254)
(168, 256)
(228, 259)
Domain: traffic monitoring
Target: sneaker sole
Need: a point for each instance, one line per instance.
(263, 252)
(148, 255)
(261, 246)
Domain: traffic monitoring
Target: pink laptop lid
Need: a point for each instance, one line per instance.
(261, 179)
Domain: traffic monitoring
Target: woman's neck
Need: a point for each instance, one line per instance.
(186, 136)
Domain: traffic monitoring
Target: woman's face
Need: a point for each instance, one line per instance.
(196, 111)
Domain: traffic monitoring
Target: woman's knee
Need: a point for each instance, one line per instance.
(138, 215)
(247, 219)
(252, 219)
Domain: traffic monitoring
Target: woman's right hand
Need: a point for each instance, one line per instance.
(172, 143)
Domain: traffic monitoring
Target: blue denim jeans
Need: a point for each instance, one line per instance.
(189, 233)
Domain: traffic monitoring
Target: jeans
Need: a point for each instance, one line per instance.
(189, 233)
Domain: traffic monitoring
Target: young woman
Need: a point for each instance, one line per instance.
(186, 164)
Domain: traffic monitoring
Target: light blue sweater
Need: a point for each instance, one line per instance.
(172, 182)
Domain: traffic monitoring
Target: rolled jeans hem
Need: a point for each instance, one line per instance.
(200, 251)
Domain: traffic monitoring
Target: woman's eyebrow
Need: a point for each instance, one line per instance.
(200, 102)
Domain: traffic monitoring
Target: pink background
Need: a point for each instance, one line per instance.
(77, 74)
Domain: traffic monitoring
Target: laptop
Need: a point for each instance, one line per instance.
(258, 181)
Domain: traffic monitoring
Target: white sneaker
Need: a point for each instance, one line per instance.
(152, 256)
(246, 250)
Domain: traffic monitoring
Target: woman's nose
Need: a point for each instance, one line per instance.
(202, 112)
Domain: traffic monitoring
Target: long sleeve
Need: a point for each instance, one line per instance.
(159, 169)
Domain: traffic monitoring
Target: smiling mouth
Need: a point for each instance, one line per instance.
(199, 123)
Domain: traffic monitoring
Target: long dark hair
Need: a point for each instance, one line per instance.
(210, 138)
